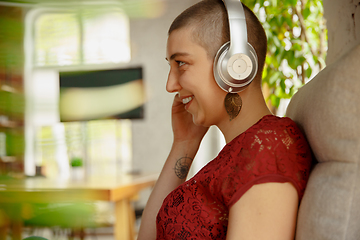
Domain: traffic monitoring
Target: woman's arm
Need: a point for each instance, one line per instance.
(265, 212)
(179, 158)
(187, 138)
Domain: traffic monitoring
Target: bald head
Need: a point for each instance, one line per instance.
(209, 24)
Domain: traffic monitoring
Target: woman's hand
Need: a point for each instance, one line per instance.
(183, 126)
(187, 138)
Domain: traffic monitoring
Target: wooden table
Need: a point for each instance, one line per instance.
(119, 190)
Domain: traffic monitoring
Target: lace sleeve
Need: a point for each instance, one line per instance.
(266, 155)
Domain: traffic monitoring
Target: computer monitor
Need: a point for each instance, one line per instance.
(101, 94)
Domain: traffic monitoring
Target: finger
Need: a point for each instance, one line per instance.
(177, 98)
(177, 104)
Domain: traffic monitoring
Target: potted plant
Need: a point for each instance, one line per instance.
(77, 169)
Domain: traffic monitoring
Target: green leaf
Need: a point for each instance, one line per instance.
(283, 85)
(274, 3)
(277, 20)
(277, 42)
(289, 22)
(308, 72)
(274, 77)
(264, 74)
(296, 46)
(280, 20)
(275, 101)
(299, 60)
(306, 12)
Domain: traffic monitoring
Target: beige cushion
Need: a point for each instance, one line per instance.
(328, 111)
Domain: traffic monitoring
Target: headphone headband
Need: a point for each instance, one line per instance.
(237, 25)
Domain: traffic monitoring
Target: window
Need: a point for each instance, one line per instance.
(103, 147)
(86, 36)
(82, 39)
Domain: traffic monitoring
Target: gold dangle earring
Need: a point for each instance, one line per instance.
(233, 104)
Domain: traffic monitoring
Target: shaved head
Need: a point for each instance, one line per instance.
(208, 21)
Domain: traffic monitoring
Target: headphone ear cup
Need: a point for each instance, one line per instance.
(233, 73)
(218, 61)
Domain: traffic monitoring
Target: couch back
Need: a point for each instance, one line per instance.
(327, 109)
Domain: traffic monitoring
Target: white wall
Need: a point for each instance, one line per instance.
(152, 136)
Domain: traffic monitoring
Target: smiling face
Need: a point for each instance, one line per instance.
(191, 75)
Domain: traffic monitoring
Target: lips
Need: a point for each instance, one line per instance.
(187, 100)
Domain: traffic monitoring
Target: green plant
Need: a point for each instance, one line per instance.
(297, 44)
(76, 162)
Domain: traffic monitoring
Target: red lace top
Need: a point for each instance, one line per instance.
(272, 150)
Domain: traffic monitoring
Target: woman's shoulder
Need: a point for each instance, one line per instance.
(268, 132)
(274, 125)
(275, 122)
(272, 150)
(271, 132)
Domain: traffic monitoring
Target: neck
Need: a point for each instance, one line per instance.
(253, 109)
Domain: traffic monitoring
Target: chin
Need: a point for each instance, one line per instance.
(201, 121)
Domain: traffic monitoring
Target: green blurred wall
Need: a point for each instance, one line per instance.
(11, 90)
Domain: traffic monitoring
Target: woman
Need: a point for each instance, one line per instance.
(253, 188)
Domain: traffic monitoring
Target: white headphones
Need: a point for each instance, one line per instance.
(236, 62)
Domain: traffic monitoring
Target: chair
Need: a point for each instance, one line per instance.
(327, 109)
(69, 219)
(72, 218)
(35, 238)
(74, 215)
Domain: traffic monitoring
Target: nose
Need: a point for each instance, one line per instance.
(172, 84)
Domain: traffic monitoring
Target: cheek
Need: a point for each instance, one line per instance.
(214, 102)
(211, 92)
(186, 80)
(210, 111)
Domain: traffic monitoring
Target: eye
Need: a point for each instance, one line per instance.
(180, 63)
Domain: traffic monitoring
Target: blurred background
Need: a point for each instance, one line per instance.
(82, 83)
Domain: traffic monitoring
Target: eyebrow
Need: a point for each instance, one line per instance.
(181, 54)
